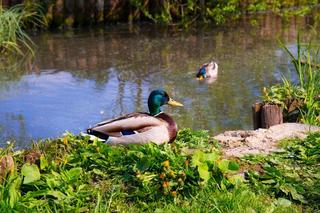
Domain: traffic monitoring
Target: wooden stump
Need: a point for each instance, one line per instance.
(265, 116)
(271, 115)
(256, 115)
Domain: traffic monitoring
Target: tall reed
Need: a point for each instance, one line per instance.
(302, 98)
(13, 38)
(308, 70)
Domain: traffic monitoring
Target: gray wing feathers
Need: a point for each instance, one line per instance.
(134, 121)
(155, 135)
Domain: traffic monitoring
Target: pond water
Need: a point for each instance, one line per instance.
(81, 77)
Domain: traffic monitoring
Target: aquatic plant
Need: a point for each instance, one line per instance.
(13, 38)
(300, 101)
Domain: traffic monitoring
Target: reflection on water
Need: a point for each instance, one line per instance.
(81, 77)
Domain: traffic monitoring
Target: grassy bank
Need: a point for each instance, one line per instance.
(76, 13)
(70, 174)
(16, 19)
(293, 173)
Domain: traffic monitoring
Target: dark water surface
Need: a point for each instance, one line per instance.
(81, 77)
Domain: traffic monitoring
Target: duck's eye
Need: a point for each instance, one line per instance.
(165, 99)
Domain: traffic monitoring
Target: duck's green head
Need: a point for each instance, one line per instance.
(202, 73)
(157, 98)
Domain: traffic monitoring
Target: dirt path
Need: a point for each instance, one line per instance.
(242, 142)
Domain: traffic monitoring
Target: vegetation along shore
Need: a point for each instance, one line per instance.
(195, 173)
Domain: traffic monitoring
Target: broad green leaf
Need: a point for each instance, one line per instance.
(74, 173)
(30, 172)
(268, 181)
(99, 172)
(223, 165)
(37, 193)
(197, 158)
(55, 174)
(236, 179)
(212, 156)
(200, 157)
(283, 202)
(43, 162)
(53, 182)
(233, 166)
(14, 191)
(82, 186)
(223, 186)
(203, 172)
(57, 194)
(297, 196)
(288, 188)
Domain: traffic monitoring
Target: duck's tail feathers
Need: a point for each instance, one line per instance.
(98, 134)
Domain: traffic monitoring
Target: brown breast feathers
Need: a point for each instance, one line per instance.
(172, 127)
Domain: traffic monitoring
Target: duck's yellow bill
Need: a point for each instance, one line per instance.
(172, 102)
(200, 78)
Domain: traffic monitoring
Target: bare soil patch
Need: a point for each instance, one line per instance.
(261, 141)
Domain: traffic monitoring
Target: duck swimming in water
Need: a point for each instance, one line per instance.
(208, 71)
(140, 128)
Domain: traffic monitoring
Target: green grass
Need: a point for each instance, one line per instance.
(70, 174)
(292, 174)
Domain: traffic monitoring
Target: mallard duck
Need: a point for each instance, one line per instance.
(140, 128)
(208, 71)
